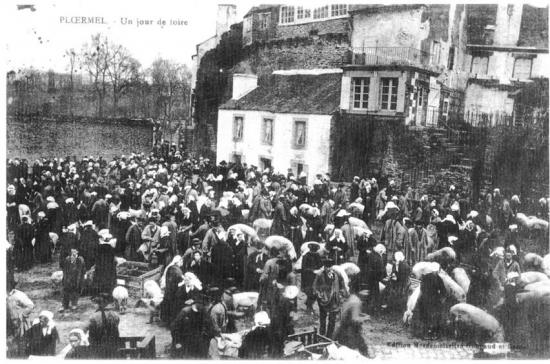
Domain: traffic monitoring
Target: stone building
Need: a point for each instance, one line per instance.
(507, 50)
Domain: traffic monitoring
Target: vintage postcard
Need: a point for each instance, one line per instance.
(296, 180)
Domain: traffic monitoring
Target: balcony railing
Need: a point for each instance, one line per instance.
(387, 56)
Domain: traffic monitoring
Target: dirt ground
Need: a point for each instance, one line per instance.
(36, 283)
(382, 331)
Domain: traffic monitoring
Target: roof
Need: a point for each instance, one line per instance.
(293, 94)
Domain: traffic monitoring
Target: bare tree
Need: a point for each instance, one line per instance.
(171, 86)
(72, 57)
(122, 69)
(95, 58)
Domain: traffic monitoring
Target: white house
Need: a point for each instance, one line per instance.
(283, 123)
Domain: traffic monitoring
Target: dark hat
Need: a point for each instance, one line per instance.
(230, 291)
(214, 292)
(196, 241)
(313, 247)
(215, 213)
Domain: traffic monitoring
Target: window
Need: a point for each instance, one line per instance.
(480, 65)
(287, 14)
(338, 10)
(389, 94)
(237, 158)
(267, 134)
(420, 96)
(247, 26)
(451, 62)
(522, 68)
(265, 163)
(299, 168)
(445, 109)
(361, 92)
(299, 134)
(320, 13)
(263, 22)
(302, 13)
(238, 128)
(436, 52)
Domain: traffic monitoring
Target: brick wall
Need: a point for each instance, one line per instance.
(32, 138)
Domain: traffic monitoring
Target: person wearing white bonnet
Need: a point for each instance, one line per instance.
(400, 278)
(78, 347)
(506, 266)
(337, 246)
(261, 319)
(380, 249)
(257, 343)
(43, 336)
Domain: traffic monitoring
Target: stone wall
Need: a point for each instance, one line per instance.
(34, 138)
(299, 53)
(332, 26)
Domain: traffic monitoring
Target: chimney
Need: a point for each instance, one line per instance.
(243, 84)
(227, 16)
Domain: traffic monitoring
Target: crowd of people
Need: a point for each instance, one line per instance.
(207, 225)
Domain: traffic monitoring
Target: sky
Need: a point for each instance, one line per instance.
(39, 38)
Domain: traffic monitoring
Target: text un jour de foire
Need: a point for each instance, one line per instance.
(128, 21)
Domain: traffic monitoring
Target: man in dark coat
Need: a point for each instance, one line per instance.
(201, 268)
(222, 259)
(70, 212)
(89, 243)
(254, 268)
(103, 332)
(173, 277)
(73, 277)
(67, 241)
(330, 291)
(23, 244)
(239, 248)
(105, 265)
(187, 331)
(281, 319)
(429, 306)
(374, 274)
(311, 261)
(42, 245)
(133, 240)
(100, 213)
(279, 225)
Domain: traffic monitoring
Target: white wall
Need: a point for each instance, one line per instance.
(315, 155)
(508, 24)
(389, 29)
(243, 84)
(487, 100)
(374, 90)
(501, 66)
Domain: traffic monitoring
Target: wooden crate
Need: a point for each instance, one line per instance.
(138, 347)
(134, 284)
